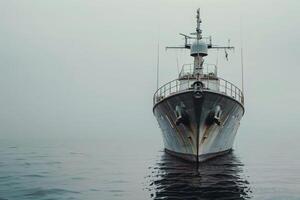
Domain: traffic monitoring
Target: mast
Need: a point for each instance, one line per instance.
(198, 30)
(198, 46)
(198, 60)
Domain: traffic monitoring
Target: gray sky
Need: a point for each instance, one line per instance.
(87, 68)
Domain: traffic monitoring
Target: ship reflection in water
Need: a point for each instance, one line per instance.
(219, 178)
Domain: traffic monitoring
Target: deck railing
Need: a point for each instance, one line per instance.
(219, 85)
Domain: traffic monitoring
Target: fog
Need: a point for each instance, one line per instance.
(75, 68)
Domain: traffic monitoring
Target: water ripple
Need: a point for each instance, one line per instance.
(220, 178)
(40, 192)
(34, 176)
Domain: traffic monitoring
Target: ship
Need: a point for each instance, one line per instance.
(199, 113)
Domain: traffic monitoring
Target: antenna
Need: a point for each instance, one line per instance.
(157, 66)
(242, 63)
(177, 63)
(242, 56)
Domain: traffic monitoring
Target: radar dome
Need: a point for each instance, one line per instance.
(199, 47)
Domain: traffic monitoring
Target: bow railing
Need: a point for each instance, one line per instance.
(218, 85)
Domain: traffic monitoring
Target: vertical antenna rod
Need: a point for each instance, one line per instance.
(157, 66)
(242, 63)
(177, 63)
(242, 56)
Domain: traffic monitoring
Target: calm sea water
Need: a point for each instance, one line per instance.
(136, 167)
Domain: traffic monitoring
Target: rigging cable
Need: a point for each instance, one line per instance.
(157, 66)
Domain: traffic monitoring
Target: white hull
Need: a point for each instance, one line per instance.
(198, 135)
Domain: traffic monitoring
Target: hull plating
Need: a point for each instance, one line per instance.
(214, 118)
